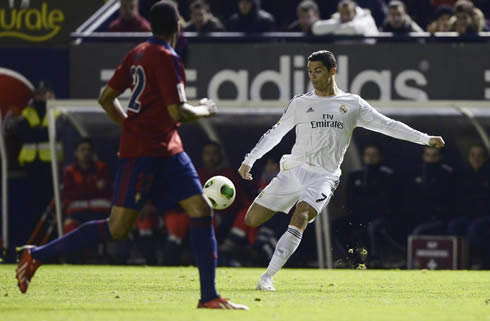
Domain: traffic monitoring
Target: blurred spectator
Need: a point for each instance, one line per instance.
(467, 20)
(430, 196)
(129, 19)
(349, 20)
(378, 9)
(34, 158)
(251, 18)
(474, 213)
(201, 19)
(87, 187)
(371, 196)
(398, 21)
(442, 18)
(87, 191)
(307, 13)
(177, 222)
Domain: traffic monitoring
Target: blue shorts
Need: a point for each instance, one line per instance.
(163, 180)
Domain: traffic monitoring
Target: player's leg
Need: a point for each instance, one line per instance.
(204, 247)
(258, 215)
(279, 195)
(127, 201)
(90, 233)
(288, 243)
(188, 193)
(316, 193)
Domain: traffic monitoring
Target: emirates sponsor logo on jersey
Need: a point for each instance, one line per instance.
(328, 121)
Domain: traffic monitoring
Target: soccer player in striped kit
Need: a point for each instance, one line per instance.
(324, 120)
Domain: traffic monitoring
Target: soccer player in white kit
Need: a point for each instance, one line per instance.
(324, 119)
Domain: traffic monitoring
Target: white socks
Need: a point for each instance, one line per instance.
(287, 244)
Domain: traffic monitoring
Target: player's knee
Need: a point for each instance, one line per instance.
(118, 231)
(251, 220)
(200, 210)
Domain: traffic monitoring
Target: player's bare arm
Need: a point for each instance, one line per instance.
(108, 100)
(437, 142)
(186, 112)
(244, 171)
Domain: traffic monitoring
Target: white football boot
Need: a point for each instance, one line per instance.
(265, 284)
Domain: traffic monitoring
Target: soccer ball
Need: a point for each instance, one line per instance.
(220, 191)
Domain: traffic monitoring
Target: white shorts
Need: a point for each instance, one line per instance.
(299, 184)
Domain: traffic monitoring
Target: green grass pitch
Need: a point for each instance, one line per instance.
(109, 293)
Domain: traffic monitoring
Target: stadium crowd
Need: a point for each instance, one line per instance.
(339, 17)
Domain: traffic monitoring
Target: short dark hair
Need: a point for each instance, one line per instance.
(347, 3)
(85, 140)
(377, 146)
(326, 57)
(442, 10)
(212, 143)
(307, 5)
(395, 4)
(199, 4)
(164, 18)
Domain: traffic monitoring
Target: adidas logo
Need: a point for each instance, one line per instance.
(310, 110)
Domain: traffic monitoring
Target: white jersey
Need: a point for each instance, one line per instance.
(324, 127)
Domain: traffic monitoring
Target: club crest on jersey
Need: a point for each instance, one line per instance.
(343, 108)
(310, 110)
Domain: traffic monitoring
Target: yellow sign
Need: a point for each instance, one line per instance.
(31, 24)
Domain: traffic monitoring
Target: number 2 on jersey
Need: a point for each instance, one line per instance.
(139, 82)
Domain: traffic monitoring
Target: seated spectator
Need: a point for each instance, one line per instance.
(474, 213)
(250, 18)
(307, 13)
(177, 222)
(467, 20)
(429, 197)
(371, 196)
(378, 9)
(442, 18)
(87, 188)
(129, 19)
(398, 21)
(202, 20)
(349, 20)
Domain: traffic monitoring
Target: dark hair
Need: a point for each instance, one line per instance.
(395, 4)
(442, 10)
(307, 5)
(377, 146)
(42, 87)
(85, 140)
(347, 3)
(212, 143)
(199, 4)
(164, 18)
(325, 56)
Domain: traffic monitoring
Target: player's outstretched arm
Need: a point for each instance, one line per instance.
(436, 141)
(108, 100)
(244, 172)
(186, 113)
